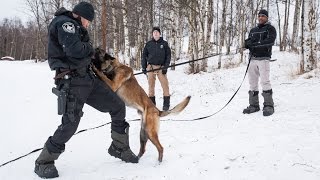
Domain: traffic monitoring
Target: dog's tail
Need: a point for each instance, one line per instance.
(177, 109)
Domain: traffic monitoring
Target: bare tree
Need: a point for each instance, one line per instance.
(283, 44)
(295, 31)
(309, 54)
(104, 24)
(279, 25)
(126, 49)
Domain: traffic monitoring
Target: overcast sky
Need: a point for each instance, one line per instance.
(14, 8)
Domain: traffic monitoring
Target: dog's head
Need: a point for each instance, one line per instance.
(103, 61)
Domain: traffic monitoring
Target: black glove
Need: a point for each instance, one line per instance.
(92, 53)
(144, 71)
(248, 43)
(164, 71)
(84, 34)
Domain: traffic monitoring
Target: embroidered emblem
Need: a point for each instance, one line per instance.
(68, 27)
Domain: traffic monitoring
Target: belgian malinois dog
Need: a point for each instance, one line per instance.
(121, 80)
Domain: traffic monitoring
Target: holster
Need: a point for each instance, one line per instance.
(62, 100)
(67, 101)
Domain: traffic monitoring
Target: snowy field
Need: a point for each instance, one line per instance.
(227, 146)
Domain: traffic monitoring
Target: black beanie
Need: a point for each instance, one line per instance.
(156, 29)
(263, 12)
(85, 10)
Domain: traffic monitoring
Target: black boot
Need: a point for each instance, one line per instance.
(45, 167)
(120, 148)
(268, 105)
(253, 103)
(153, 99)
(166, 103)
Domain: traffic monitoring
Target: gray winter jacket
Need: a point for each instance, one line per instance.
(260, 41)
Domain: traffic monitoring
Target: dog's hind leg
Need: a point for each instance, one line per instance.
(153, 136)
(143, 141)
(152, 128)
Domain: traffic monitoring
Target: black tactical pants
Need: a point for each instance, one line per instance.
(92, 91)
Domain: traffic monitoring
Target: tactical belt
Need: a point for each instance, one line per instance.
(62, 73)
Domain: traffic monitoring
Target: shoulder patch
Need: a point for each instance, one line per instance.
(68, 27)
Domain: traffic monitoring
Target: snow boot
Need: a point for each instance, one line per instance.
(253, 103)
(44, 165)
(120, 148)
(268, 105)
(153, 99)
(166, 103)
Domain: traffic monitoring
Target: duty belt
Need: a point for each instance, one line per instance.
(62, 73)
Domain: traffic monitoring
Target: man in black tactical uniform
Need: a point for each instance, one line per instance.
(69, 54)
(260, 42)
(156, 55)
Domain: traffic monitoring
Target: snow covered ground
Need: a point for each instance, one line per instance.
(228, 146)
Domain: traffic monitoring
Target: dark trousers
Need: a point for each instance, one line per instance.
(92, 91)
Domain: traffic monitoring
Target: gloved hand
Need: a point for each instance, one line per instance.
(84, 34)
(92, 52)
(164, 71)
(248, 43)
(144, 71)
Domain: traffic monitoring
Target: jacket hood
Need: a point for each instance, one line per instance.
(62, 11)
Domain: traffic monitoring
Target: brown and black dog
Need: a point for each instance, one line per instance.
(122, 81)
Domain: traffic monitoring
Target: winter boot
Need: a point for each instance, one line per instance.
(120, 148)
(153, 99)
(166, 103)
(253, 103)
(268, 105)
(45, 167)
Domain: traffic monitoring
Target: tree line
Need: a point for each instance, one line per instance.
(122, 27)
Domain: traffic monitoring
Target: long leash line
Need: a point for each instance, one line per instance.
(182, 63)
(36, 150)
(204, 117)
(196, 119)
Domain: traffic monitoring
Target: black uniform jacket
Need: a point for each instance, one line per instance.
(68, 42)
(156, 53)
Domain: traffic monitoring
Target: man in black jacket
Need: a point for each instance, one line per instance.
(157, 54)
(69, 54)
(260, 42)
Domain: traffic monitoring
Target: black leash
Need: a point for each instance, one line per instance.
(178, 64)
(196, 119)
(36, 150)
(200, 118)
(21, 157)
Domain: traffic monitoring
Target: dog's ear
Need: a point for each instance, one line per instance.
(108, 57)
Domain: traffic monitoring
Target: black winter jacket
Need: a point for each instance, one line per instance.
(68, 42)
(156, 53)
(260, 40)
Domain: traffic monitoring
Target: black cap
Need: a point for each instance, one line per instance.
(263, 12)
(85, 10)
(156, 29)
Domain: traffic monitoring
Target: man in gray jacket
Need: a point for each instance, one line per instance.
(260, 42)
